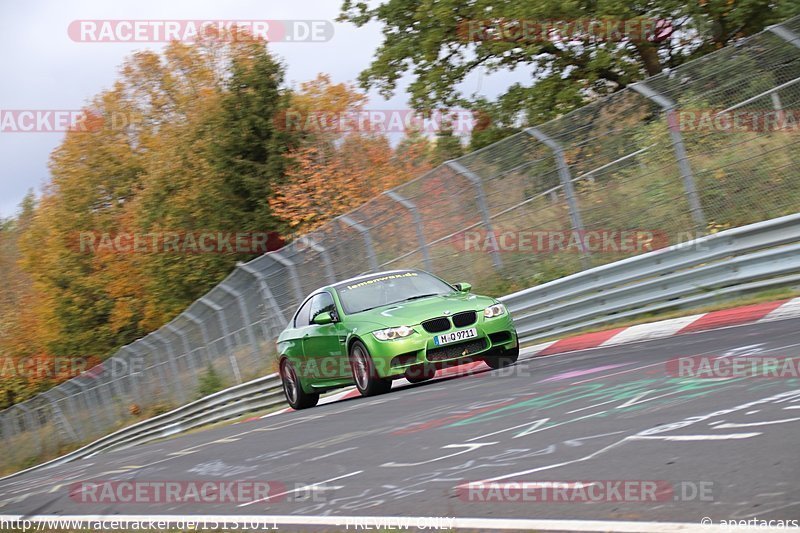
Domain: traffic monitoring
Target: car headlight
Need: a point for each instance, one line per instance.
(389, 334)
(494, 310)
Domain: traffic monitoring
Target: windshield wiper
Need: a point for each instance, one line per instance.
(417, 297)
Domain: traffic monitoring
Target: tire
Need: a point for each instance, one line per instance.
(418, 374)
(503, 359)
(366, 377)
(296, 397)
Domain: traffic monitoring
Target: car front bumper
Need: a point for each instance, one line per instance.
(392, 358)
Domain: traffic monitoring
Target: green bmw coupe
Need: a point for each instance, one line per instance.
(375, 328)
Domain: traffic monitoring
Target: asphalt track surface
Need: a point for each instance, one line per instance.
(728, 448)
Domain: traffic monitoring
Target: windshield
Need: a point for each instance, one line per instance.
(369, 293)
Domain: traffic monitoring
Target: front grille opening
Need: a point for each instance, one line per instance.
(435, 325)
(500, 337)
(467, 318)
(404, 359)
(450, 351)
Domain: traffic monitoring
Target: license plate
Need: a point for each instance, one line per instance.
(455, 336)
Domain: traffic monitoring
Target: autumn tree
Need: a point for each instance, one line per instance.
(340, 162)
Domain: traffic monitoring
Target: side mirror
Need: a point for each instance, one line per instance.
(463, 286)
(323, 318)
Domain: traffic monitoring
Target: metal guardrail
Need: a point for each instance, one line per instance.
(260, 393)
(759, 255)
(626, 162)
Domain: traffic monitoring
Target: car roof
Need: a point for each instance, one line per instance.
(373, 275)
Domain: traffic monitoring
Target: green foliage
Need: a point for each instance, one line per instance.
(430, 40)
(210, 382)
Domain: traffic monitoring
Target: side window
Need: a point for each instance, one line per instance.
(301, 318)
(321, 303)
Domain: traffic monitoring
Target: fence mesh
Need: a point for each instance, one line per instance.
(666, 156)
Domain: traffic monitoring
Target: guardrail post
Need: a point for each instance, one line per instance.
(680, 153)
(423, 245)
(251, 337)
(223, 321)
(565, 178)
(480, 196)
(364, 231)
(326, 258)
(172, 364)
(786, 34)
(298, 291)
(267, 295)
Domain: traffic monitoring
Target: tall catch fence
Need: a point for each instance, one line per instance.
(708, 146)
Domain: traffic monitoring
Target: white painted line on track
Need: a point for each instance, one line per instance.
(731, 436)
(731, 425)
(406, 522)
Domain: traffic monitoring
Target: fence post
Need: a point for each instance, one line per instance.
(223, 322)
(565, 178)
(110, 363)
(136, 391)
(326, 258)
(480, 195)
(423, 245)
(57, 417)
(680, 153)
(786, 34)
(298, 291)
(364, 231)
(237, 294)
(267, 295)
(85, 395)
(199, 323)
(29, 423)
(157, 365)
(172, 364)
(185, 341)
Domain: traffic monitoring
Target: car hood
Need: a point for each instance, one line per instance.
(415, 311)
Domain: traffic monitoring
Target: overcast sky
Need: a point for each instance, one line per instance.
(41, 68)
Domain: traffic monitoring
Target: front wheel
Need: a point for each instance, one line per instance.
(296, 397)
(503, 359)
(366, 377)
